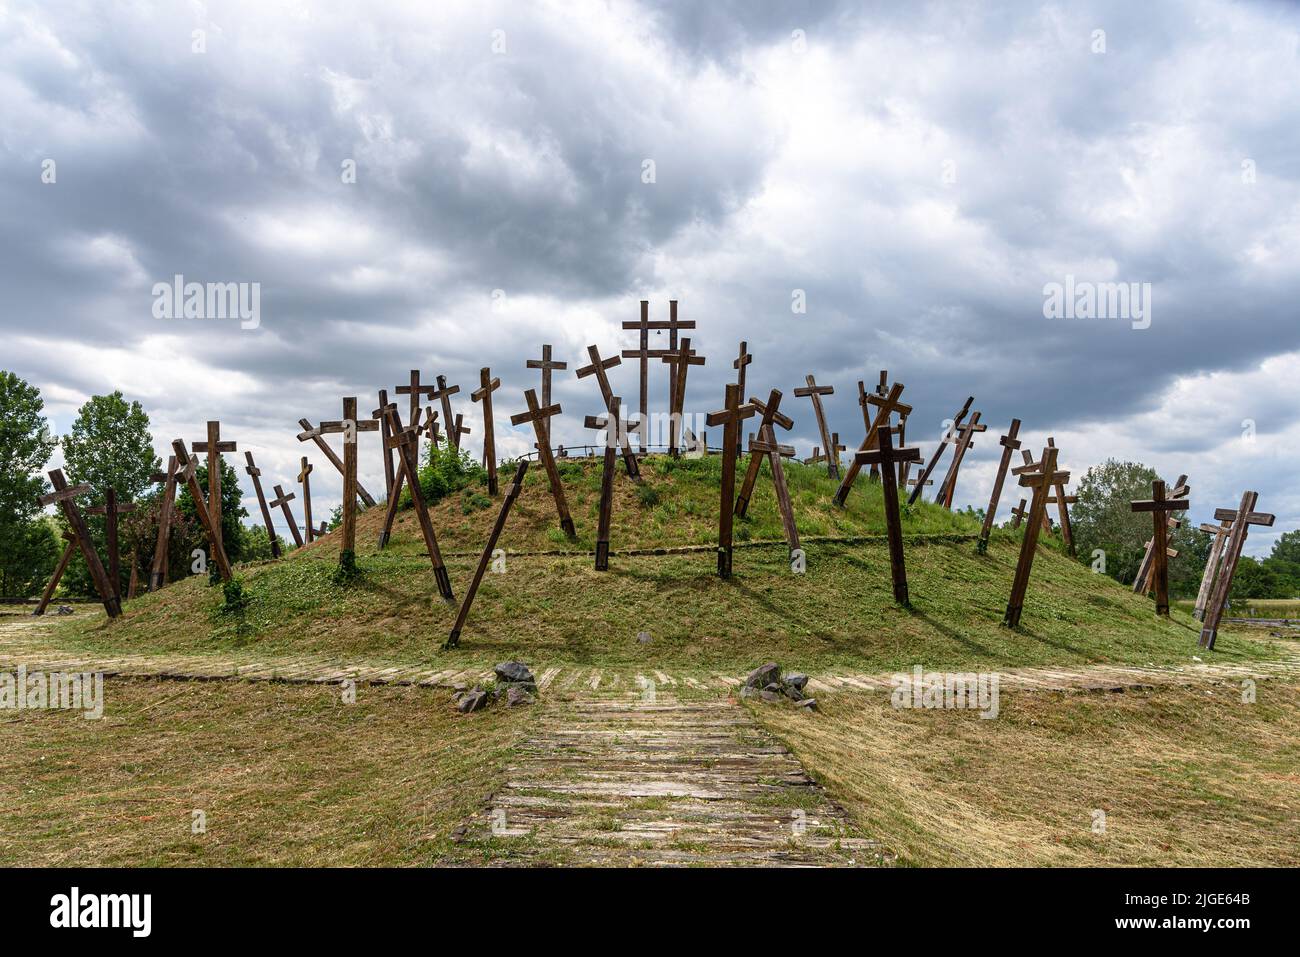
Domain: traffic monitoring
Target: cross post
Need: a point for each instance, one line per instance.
(256, 474)
(1039, 482)
(729, 417)
(488, 385)
(214, 447)
(201, 508)
(1009, 443)
(349, 426)
(538, 416)
(887, 457)
(1242, 518)
(943, 444)
(1158, 505)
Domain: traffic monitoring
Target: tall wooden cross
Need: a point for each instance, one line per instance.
(202, 509)
(612, 426)
(443, 394)
(256, 474)
(739, 364)
(680, 358)
(488, 385)
(304, 479)
(1009, 443)
(406, 442)
(729, 418)
(315, 435)
(1158, 505)
(887, 457)
(65, 495)
(415, 390)
(1220, 533)
(644, 354)
(943, 444)
(349, 426)
(766, 444)
(1242, 518)
(965, 434)
(281, 501)
(885, 407)
(1143, 583)
(815, 392)
(389, 476)
(1063, 501)
(538, 416)
(111, 509)
(1039, 483)
(214, 447)
(166, 508)
(673, 325)
(1029, 467)
(69, 547)
(597, 368)
(771, 413)
(547, 366)
(512, 493)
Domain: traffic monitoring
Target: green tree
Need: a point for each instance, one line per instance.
(257, 544)
(1287, 547)
(28, 548)
(233, 513)
(1253, 580)
(1103, 519)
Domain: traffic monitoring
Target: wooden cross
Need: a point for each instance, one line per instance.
(597, 368)
(680, 359)
(1009, 443)
(815, 392)
(457, 430)
(730, 418)
(904, 468)
(885, 406)
(612, 425)
(1018, 514)
(1242, 518)
(429, 428)
(547, 366)
(350, 425)
(415, 390)
(673, 325)
(281, 501)
(1158, 505)
(214, 447)
(166, 507)
(864, 405)
(512, 493)
(882, 390)
(1143, 583)
(917, 481)
(111, 510)
(887, 457)
(1062, 501)
(943, 444)
(443, 394)
(304, 479)
(393, 426)
(771, 413)
(256, 473)
(406, 442)
(1029, 467)
(201, 508)
(1039, 483)
(59, 569)
(316, 436)
(488, 385)
(389, 476)
(538, 416)
(1220, 533)
(964, 435)
(644, 353)
(739, 364)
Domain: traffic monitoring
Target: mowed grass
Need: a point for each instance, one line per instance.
(1186, 777)
(1268, 608)
(286, 775)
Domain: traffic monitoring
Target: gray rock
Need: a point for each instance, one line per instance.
(809, 703)
(769, 696)
(64, 610)
(643, 637)
(472, 701)
(793, 693)
(517, 696)
(796, 679)
(513, 672)
(775, 687)
(763, 675)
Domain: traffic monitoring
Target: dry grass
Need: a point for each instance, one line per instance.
(286, 776)
(1186, 776)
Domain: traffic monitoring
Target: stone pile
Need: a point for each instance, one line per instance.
(766, 682)
(514, 684)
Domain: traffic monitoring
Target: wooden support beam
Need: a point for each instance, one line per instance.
(598, 368)
(943, 444)
(771, 413)
(1220, 533)
(111, 509)
(69, 547)
(406, 442)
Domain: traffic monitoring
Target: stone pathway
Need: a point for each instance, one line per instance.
(647, 778)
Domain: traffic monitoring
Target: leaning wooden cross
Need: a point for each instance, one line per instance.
(304, 479)
(415, 390)
(389, 474)
(405, 441)
(1158, 505)
(111, 510)
(256, 474)
(512, 493)
(597, 368)
(611, 424)
(59, 569)
(1143, 583)
(547, 367)
(443, 394)
(1220, 533)
(766, 444)
(488, 385)
(1018, 514)
(214, 447)
(1032, 466)
(887, 457)
(1063, 503)
(680, 359)
(190, 477)
(885, 406)
(729, 418)
(349, 426)
(281, 501)
(739, 363)
(948, 436)
(771, 415)
(1040, 483)
(965, 434)
(1242, 518)
(815, 392)
(166, 508)
(1009, 442)
(538, 416)
(315, 435)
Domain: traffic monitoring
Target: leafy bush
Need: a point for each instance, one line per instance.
(446, 470)
(235, 599)
(647, 495)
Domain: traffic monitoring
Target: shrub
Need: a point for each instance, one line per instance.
(446, 470)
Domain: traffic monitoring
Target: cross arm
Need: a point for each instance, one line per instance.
(1251, 518)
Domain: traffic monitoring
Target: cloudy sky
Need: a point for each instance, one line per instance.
(917, 175)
